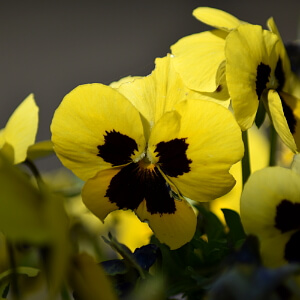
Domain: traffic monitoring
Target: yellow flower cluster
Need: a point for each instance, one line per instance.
(153, 145)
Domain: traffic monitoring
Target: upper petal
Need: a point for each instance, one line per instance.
(197, 59)
(21, 128)
(216, 18)
(94, 128)
(157, 93)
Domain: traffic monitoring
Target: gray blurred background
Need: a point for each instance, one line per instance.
(50, 47)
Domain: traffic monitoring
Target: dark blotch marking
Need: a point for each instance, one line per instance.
(292, 248)
(219, 88)
(279, 74)
(287, 216)
(172, 157)
(262, 77)
(289, 116)
(132, 185)
(117, 148)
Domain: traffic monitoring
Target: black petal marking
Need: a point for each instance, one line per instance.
(279, 74)
(287, 216)
(289, 116)
(262, 77)
(292, 248)
(117, 148)
(172, 157)
(133, 184)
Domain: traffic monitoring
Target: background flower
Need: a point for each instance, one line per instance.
(20, 131)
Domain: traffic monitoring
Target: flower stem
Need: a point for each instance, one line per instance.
(34, 171)
(273, 142)
(246, 159)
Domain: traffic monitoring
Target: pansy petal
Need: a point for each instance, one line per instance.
(273, 258)
(246, 81)
(174, 229)
(214, 145)
(128, 79)
(157, 93)
(286, 65)
(197, 159)
(197, 59)
(2, 139)
(94, 128)
(21, 128)
(94, 191)
(285, 122)
(216, 18)
(165, 129)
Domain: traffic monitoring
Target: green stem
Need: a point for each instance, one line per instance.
(34, 171)
(14, 280)
(246, 159)
(273, 143)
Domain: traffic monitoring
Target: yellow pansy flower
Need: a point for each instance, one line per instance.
(20, 131)
(142, 146)
(264, 74)
(270, 206)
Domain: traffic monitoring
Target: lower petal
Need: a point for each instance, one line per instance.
(279, 120)
(94, 191)
(175, 229)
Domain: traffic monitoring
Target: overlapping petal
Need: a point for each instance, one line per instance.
(20, 130)
(157, 93)
(82, 123)
(197, 58)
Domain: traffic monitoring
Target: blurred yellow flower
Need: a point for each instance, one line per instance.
(270, 207)
(20, 131)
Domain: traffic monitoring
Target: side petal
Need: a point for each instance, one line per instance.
(21, 128)
(197, 157)
(93, 116)
(281, 119)
(94, 191)
(197, 59)
(175, 229)
(216, 18)
(214, 145)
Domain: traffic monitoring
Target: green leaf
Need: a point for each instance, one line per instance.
(20, 207)
(36, 217)
(5, 276)
(236, 231)
(210, 223)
